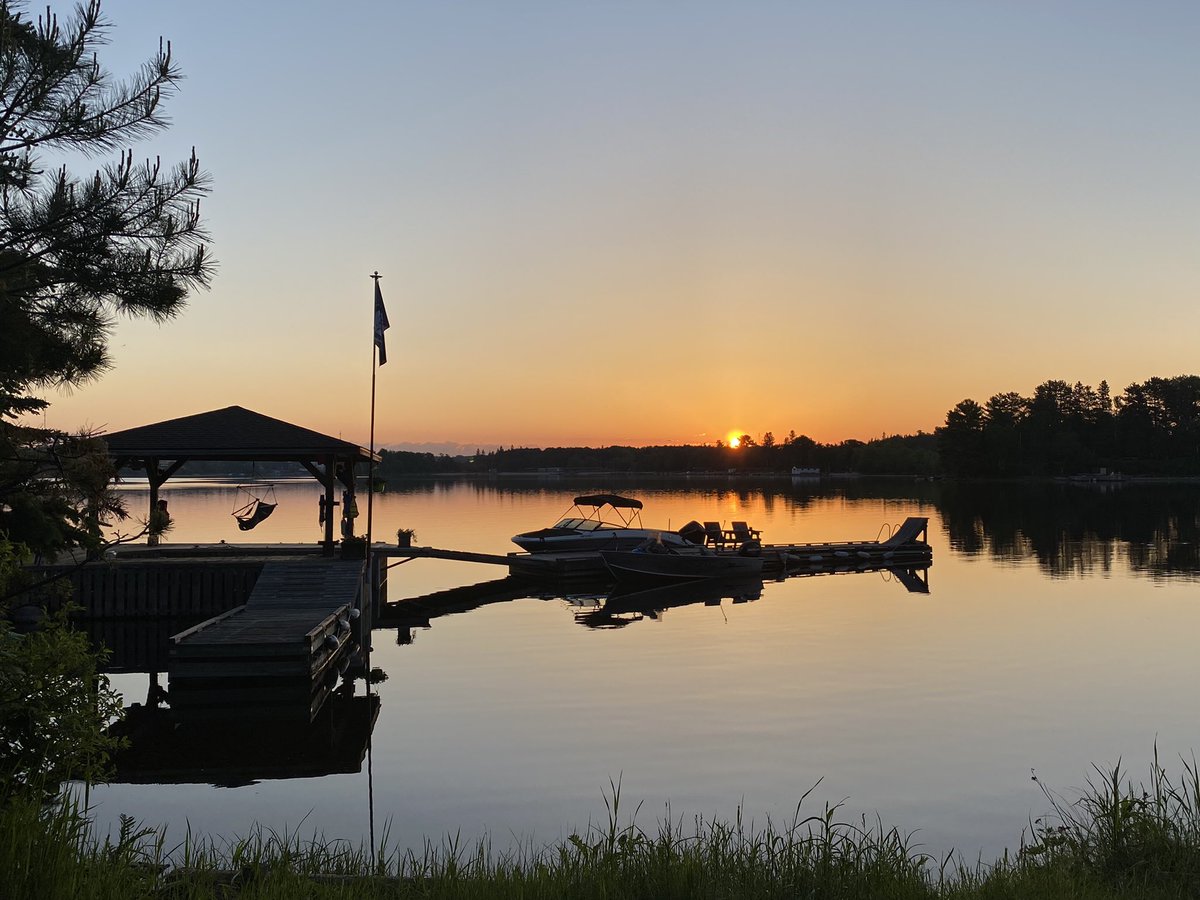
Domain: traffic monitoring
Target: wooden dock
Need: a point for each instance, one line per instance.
(536, 565)
(908, 547)
(286, 644)
(153, 588)
(190, 581)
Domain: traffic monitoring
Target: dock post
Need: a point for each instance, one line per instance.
(378, 576)
(365, 603)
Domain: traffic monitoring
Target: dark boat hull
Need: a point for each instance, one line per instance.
(651, 568)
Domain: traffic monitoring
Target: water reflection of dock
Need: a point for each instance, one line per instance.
(621, 606)
(418, 611)
(167, 747)
(598, 604)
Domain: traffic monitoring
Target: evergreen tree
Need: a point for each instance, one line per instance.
(77, 251)
(961, 440)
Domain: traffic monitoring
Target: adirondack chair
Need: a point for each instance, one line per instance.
(912, 530)
(714, 534)
(743, 532)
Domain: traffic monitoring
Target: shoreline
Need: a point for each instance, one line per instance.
(1119, 839)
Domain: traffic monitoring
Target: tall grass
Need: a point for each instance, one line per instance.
(1129, 835)
(1116, 840)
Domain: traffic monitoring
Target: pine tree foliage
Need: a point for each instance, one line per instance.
(1151, 428)
(76, 251)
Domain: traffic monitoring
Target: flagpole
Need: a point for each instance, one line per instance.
(371, 461)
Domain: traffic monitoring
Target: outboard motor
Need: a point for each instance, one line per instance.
(692, 532)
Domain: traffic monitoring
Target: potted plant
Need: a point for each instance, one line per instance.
(354, 547)
(405, 537)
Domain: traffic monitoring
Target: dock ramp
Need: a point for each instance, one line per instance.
(282, 647)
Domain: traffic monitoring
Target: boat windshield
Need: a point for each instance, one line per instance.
(589, 516)
(572, 524)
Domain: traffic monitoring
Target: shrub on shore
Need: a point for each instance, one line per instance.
(54, 706)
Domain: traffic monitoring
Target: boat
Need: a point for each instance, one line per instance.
(601, 522)
(658, 563)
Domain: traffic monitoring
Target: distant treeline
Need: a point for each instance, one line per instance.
(1153, 428)
(902, 454)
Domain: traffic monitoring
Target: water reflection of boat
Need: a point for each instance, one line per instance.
(624, 606)
(657, 562)
(590, 525)
(672, 595)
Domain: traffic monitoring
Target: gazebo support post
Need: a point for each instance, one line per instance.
(328, 478)
(157, 477)
(330, 505)
(346, 473)
(152, 477)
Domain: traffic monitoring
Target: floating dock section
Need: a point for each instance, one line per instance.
(285, 646)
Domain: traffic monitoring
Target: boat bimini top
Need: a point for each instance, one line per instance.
(594, 520)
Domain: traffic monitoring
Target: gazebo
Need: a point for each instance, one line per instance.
(236, 434)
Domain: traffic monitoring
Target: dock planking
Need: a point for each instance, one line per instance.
(290, 629)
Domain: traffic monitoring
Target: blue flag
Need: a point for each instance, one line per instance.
(381, 324)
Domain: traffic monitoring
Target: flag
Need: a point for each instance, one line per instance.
(381, 324)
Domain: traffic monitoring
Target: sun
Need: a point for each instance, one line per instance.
(734, 440)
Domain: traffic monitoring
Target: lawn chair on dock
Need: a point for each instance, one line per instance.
(714, 535)
(743, 532)
(912, 530)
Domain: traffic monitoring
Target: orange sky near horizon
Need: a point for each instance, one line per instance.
(647, 224)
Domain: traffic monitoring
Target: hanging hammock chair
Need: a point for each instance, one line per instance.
(259, 505)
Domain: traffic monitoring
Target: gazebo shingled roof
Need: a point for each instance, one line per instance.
(232, 433)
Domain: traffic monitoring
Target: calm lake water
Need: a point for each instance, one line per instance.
(1059, 631)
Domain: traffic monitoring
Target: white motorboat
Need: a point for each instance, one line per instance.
(602, 522)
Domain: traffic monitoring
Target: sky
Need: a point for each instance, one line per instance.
(661, 222)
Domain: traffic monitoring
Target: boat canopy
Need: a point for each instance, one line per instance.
(608, 499)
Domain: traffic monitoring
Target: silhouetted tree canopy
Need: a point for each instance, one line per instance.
(77, 251)
(1063, 429)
